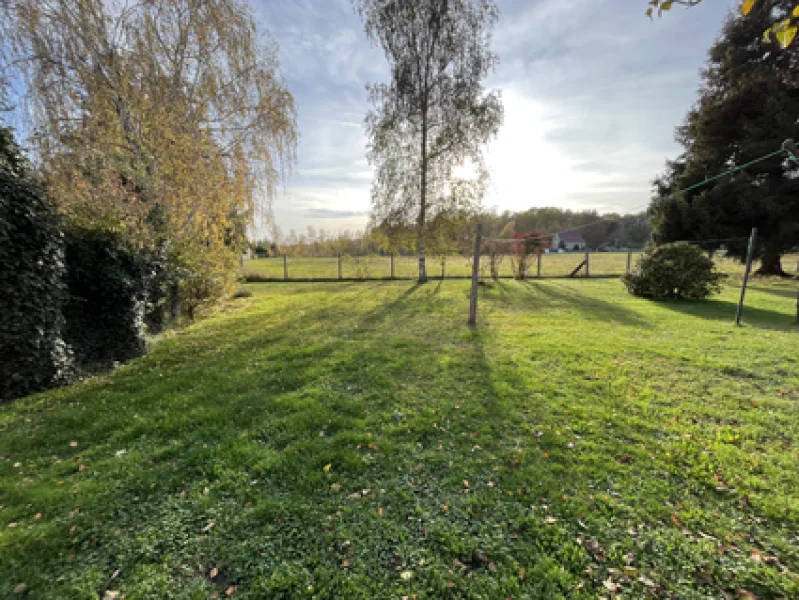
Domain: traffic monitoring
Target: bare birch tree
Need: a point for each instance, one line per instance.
(435, 116)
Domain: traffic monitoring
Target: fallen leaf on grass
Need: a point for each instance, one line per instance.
(745, 594)
(37, 517)
(596, 550)
(73, 444)
(22, 587)
(406, 575)
(111, 595)
(12, 525)
(676, 520)
(326, 468)
(214, 572)
(522, 573)
(631, 572)
(610, 586)
(646, 581)
(230, 591)
(550, 520)
(335, 486)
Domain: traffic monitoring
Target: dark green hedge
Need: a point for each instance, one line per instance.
(33, 356)
(107, 283)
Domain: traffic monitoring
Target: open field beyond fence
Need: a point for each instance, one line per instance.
(602, 264)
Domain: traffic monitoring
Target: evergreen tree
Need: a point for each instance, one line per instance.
(748, 105)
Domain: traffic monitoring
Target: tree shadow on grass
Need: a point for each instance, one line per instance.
(382, 311)
(543, 295)
(724, 310)
(785, 291)
(249, 411)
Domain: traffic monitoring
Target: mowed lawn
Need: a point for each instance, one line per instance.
(358, 440)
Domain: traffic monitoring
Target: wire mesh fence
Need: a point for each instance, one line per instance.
(374, 266)
(377, 267)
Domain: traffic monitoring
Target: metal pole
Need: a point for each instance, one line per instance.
(629, 259)
(339, 265)
(285, 267)
(749, 253)
(539, 264)
(475, 276)
(392, 265)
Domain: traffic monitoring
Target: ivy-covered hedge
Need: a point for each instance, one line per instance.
(33, 355)
(107, 283)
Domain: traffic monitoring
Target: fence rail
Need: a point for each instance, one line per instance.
(388, 267)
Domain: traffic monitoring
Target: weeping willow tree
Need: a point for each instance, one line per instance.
(169, 120)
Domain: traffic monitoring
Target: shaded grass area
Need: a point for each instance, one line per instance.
(357, 440)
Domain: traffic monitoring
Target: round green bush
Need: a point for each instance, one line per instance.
(674, 271)
(33, 355)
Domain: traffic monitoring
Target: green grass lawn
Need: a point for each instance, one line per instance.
(357, 440)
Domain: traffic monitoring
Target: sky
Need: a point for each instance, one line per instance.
(592, 91)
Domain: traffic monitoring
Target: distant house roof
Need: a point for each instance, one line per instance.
(572, 235)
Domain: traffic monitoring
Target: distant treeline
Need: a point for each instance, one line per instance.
(455, 233)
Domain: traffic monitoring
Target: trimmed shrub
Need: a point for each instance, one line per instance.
(107, 282)
(33, 356)
(674, 271)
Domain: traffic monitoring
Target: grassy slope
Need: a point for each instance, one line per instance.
(577, 432)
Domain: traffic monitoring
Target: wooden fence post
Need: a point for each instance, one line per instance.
(285, 267)
(392, 265)
(475, 277)
(629, 260)
(538, 266)
(443, 266)
(587, 263)
(797, 306)
(750, 251)
(339, 265)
